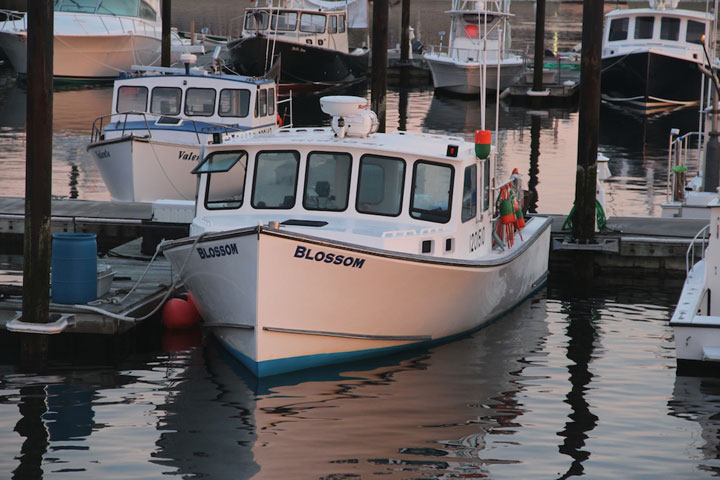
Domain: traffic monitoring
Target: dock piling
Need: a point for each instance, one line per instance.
(405, 32)
(379, 61)
(166, 38)
(539, 46)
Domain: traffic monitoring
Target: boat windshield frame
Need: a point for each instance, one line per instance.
(131, 8)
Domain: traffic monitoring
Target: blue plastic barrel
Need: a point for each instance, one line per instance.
(73, 276)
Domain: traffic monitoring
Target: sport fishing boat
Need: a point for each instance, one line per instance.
(147, 147)
(651, 57)
(94, 39)
(696, 320)
(479, 39)
(313, 246)
(310, 37)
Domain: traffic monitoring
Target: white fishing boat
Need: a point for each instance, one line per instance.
(696, 320)
(479, 39)
(313, 246)
(94, 39)
(652, 57)
(147, 147)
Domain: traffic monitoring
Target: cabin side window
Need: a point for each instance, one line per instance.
(132, 99)
(327, 181)
(644, 27)
(127, 8)
(146, 11)
(431, 192)
(234, 103)
(166, 100)
(669, 28)
(486, 185)
(284, 21)
(695, 32)
(618, 29)
(226, 179)
(312, 23)
(469, 198)
(380, 186)
(271, 101)
(200, 102)
(341, 24)
(275, 181)
(332, 27)
(261, 103)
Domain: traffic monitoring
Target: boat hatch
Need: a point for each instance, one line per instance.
(176, 121)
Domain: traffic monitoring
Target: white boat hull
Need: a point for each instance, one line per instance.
(464, 77)
(137, 169)
(281, 301)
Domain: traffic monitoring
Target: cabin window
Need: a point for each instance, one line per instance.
(256, 20)
(341, 24)
(234, 103)
(327, 181)
(312, 23)
(618, 29)
(644, 27)
(128, 8)
(284, 21)
(431, 192)
(669, 28)
(469, 199)
(276, 176)
(146, 11)
(380, 186)
(166, 100)
(261, 103)
(271, 101)
(200, 102)
(132, 99)
(695, 31)
(486, 185)
(225, 180)
(332, 28)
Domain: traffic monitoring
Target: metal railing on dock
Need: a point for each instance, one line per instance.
(679, 149)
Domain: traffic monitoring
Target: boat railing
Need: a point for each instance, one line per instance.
(287, 100)
(12, 16)
(697, 248)
(679, 147)
(122, 119)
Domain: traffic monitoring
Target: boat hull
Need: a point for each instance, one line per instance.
(81, 57)
(299, 63)
(464, 77)
(281, 301)
(649, 80)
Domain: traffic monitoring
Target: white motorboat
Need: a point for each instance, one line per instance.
(479, 40)
(147, 147)
(696, 320)
(313, 246)
(652, 57)
(94, 39)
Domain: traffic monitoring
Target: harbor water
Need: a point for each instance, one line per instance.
(573, 382)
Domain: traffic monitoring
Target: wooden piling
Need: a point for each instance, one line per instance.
(405, 32)
(38, 175)
(379, 60)
(539, 45)
(166, 38)
(589, 119)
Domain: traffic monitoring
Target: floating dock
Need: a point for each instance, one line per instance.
(561, 85)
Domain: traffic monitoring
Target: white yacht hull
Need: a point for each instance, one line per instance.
(137, 169)
(282, 301)
(464, 77)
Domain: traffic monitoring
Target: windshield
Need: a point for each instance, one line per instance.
(127, 8)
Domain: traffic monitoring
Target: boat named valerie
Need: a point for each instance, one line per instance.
(313, 246)
(651, 56)
(147, 147)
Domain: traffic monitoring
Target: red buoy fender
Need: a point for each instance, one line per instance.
(179, 314)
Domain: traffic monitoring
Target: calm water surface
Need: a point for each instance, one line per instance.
(570, 383)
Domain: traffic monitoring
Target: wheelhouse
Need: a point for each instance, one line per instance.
(438, 199)
(304, 26)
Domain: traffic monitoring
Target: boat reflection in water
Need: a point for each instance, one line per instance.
(361, 418)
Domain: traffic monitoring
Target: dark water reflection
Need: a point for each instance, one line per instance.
(570, 383)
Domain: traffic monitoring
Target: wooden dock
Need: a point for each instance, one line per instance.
(561, 86)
